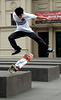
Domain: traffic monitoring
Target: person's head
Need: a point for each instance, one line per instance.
(19, 11)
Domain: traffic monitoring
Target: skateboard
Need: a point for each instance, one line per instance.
(20, 63)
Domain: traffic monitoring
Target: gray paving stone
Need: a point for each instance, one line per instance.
(43, 73)
(13, 84)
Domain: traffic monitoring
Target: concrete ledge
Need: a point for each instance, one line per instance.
(43, 73)
(11, 85)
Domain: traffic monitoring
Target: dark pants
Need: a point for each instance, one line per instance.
(32, 35)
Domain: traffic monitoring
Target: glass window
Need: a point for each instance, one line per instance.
(12, 20)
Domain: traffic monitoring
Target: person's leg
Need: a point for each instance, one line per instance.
(40, 41)
(12, 41)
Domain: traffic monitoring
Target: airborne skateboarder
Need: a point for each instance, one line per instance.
(21, 18)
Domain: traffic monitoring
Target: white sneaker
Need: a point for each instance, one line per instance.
(49, 50)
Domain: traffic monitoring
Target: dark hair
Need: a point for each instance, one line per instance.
(19, 11)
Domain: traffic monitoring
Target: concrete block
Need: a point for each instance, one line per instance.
(43, 73)
(13, 84)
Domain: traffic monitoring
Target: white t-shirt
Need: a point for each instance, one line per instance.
(22, 23)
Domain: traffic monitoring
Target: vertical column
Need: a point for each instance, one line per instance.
(51, 41)
(23, 4)
(29, 10)
(2, 12)
(51, 5)
(28, 6)
(55, 43)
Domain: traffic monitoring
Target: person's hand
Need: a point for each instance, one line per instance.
(48, 19)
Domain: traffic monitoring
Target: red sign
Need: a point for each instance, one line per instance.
(53, 15)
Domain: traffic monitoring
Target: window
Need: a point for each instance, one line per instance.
(58, 44)
(12, 20)
(41, 51)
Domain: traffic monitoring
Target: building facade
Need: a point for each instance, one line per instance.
(50, 32)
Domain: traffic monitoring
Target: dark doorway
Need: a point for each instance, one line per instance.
(44, 36)
(58, 44)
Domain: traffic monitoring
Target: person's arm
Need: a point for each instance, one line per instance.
(42, 17)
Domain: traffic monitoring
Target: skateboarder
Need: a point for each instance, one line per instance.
(21, 18)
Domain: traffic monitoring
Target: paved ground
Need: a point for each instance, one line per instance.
(41, 91)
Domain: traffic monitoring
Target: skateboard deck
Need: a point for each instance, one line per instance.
(20, 63)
